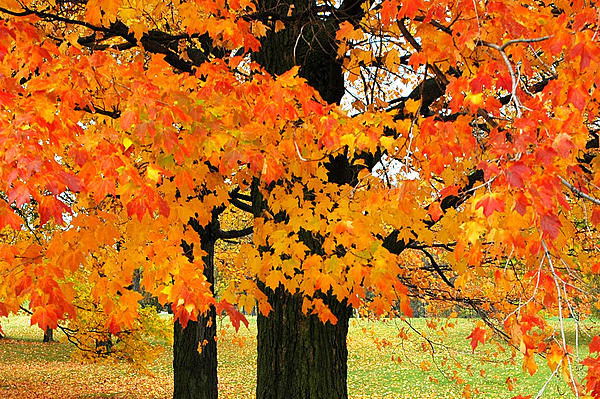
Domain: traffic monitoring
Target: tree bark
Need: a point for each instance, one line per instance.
(299, 357)
(195, 370)
(48, 335)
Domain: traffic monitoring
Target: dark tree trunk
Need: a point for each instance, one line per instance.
(307, 41)
(194, 370)
(299, 357)
(48, 335)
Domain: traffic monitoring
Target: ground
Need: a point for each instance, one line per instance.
(382, 364)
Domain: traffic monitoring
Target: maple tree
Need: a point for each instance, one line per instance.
(463, 171)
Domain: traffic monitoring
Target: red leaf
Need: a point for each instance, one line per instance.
(50, 207)
(521, 203)
(586, 53)
(517, 173)
(20, 194)
(101, 188)
(490, 203)
(8, 217)
(550, 225)
(435, 211)
(138, 207)
(388, 11)
(73, 182)
(563, 144)
(234, 315)
(595, 344)
(577, 97)
(112, 325)
(477, 336)
(545, 155)
(163, 207)
(45, 317)
(405, 306)
(128, 118)
(450, 190)
(596, 215)
(409, 9)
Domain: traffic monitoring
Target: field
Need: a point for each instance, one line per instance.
(383, 363)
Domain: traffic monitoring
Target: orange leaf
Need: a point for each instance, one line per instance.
(477, 336)
(44, 317)
(435, 211)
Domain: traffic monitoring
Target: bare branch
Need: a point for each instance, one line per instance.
(578, 192)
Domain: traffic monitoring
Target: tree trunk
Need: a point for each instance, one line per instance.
(299, 357)
(48, 335)
(194, 372)
(195, 347)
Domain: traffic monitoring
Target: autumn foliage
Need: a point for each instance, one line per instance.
(470, 130)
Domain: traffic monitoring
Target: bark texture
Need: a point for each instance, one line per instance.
(194, 371)
(299, 357)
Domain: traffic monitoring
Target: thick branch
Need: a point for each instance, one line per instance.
(241, 205)
(114, 114)
(232, 234)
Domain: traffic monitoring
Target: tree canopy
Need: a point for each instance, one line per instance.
(453, 160)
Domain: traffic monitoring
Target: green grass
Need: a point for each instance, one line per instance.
(381, 364)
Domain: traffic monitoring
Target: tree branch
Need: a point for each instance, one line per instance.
(578, 192)
(241, 205)
(437, 268)
(151, 41)
(232, 234)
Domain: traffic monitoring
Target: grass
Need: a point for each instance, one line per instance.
(381, 364)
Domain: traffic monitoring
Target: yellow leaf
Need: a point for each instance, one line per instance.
(138, 29)
(259, 29)
(475, 99)
(554, 357)
(425, 365)
(153, 173)
(412, 106)
(274, 278)
(529, 364)
(127, 143)
(387, 142)
(473, 231)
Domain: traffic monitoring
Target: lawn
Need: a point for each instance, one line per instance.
(383, 363)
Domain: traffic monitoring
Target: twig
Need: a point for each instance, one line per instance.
(560, 315)
(578, 192)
